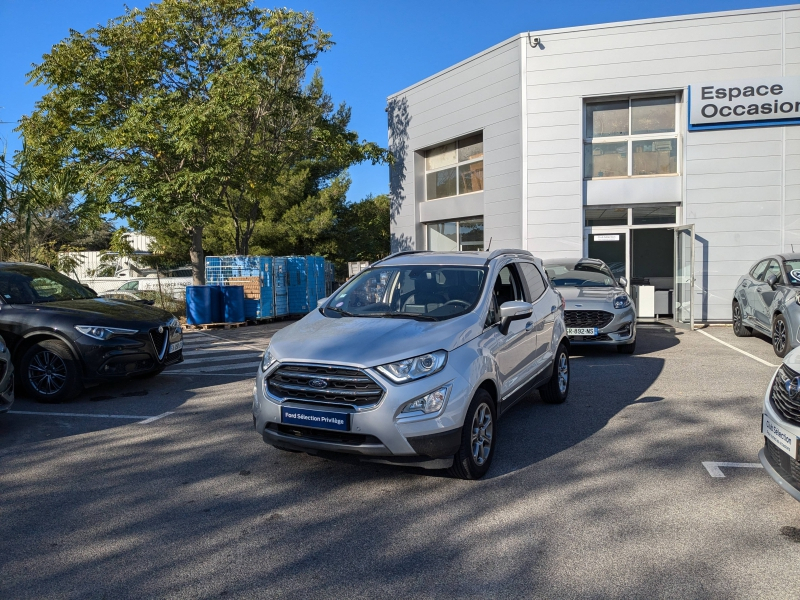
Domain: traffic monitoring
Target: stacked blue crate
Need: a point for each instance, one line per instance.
(319, 275)
(312, 282)
(280, 285)
(299, 302)
(254, 273)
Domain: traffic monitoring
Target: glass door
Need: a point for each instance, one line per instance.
(684, 275)
(612, 248)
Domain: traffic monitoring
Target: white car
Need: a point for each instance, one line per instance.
(780, 424)
(171, 286)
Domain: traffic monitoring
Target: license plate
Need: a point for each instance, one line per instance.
(785, 440)
(175, 347)
(321, 419)
(582, 331)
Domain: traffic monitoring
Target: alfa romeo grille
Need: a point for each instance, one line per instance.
(325, 384)
(587, 318)
(160, 341)
(787, 407)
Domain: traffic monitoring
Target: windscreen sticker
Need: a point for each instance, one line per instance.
(339, 304)
(795, 274)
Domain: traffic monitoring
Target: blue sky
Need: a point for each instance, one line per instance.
(381, 47)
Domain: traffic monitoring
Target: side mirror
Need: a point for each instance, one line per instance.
(771, 280)
(513, 311)
(322, 301)
(623, 282)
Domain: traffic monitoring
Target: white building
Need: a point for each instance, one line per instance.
(643, 143)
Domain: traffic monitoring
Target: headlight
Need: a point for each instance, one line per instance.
(429, 403)
(267, 360)
(622, 302)
(103, 333)
(415, 368)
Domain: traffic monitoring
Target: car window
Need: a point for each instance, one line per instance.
(131, 285)
(536, 285)
(29, 284)
(758, 271)
(792, 271)
(507, 288)
(773, 269)
(429, 291)
(580, 274)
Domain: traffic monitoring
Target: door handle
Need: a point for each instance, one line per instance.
(553, 309)
(528, 325)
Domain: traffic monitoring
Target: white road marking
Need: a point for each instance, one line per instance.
(755, 358)
(156, 418)
(714, 470)
(196, 372)
(612, 365)
(216, 337)
(59, 414)
(240, 355)
(249, 365)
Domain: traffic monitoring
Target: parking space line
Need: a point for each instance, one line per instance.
(226, 340)
(249, 365)
(156, 418)
(755, 358)
(714, 470)
(240, 355)
(60, 414)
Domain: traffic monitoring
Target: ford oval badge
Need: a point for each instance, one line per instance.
(318, 383)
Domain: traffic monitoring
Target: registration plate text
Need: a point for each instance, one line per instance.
(582, 331)
(175, 347)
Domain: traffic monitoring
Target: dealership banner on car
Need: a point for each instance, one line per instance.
(745, 103)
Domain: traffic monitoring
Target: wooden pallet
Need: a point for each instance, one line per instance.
(214, 326)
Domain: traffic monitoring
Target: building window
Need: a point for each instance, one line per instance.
(454, 168)
(631, 138)
(451, 236)
(612, 216)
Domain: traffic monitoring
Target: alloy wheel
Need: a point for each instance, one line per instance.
(779, 336)
(563, 373)
(737, 318)
(47, 373)
(482, 430)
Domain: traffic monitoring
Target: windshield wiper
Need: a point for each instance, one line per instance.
(339, 310)
(415, 316)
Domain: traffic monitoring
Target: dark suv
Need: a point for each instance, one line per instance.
(62, 336)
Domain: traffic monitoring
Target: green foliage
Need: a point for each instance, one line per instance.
(187, 112)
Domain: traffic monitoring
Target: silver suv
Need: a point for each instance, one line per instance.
(412, 361)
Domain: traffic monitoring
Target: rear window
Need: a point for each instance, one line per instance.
(579, 275)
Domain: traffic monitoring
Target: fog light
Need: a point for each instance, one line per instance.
(429, 403)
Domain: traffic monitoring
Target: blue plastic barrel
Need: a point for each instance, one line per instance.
(203, 304)
(233, 303)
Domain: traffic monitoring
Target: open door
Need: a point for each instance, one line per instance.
(684, 275)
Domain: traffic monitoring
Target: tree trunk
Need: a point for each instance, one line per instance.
(196, 256)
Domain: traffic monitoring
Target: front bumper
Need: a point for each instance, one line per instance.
(376, 433)
(621, 330)
(784, 469)
(123, 356)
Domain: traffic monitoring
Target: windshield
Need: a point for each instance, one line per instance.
(793, 271)
(415, 292)
(580, 275)
(28, 284)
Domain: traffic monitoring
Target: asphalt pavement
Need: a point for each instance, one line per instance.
(161, 488)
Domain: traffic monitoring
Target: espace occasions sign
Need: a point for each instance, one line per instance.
(746, 103)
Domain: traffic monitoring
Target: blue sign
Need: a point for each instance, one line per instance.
(320, 419)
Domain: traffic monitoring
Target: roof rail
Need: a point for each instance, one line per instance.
(510, 251)
(401, 253)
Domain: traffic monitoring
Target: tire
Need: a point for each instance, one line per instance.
(781, 342)
(739, 328)
(556, 390)
(49, 373)
(627, 348)
(474, 457)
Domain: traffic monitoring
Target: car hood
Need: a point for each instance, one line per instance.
(369, 341)
(792, 360)
(589, 298)
(101, 311)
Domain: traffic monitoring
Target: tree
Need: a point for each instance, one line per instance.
(189, 111)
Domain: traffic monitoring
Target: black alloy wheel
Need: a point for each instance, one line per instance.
(49, 372)
(780, 336)
(739, 328)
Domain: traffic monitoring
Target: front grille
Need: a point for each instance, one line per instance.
(787, 466)
(160, 341)
(335, 437)
(591, 338)
(343, 385)
(786, 406)
(587, 318)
